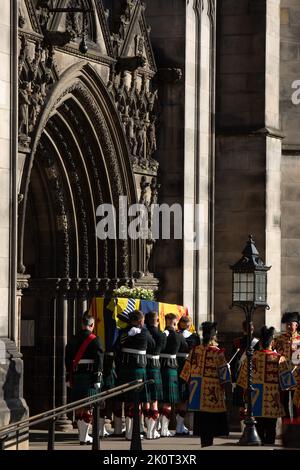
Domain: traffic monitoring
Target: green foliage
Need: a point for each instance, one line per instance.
(134, 293)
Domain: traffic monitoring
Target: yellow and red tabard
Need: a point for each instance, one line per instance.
(289, 346)
(271, 373)
(206, 370)
(296, 398)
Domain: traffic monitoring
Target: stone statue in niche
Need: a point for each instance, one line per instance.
(154, 190)
(140, 139)
(24, 103)
(149, 248)
(131, 135)
(151, 137)
(144, 185)
(36, 105)
(139, 45)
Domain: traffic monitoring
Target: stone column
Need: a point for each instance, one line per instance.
(199, 156)
(12, 405)
(63, 423)
(22, 283)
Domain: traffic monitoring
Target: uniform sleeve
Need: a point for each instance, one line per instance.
(68, 361)
(193, 340)
(183, 347)
(187, 368)
(98, 359)
(162, 342)
(151, 344)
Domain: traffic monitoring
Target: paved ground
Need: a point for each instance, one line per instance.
(68, 441)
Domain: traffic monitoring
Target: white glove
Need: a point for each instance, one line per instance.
(97, 386)
(68, 384)
(134, 331)
(186, 333)
(166, 332)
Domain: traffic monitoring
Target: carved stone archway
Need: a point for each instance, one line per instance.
(79, 159)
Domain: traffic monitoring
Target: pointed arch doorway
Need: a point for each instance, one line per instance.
(79, 160)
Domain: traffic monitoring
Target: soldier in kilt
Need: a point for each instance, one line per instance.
(153, 372)
(84, 365)
(175, 342)
(192, 340)
(131, 362)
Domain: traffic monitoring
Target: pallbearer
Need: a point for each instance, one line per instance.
(131, 362)
(207, 373)
(175, 342)
(271, 374)
(153, 372)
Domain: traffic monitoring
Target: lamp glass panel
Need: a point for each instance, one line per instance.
(260, 287)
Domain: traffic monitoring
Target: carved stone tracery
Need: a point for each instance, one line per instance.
(37, 73)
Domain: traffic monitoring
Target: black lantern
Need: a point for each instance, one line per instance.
(249, 278)
(249, 290)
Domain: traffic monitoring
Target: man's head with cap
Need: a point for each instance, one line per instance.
(209, 331)
(267, 337)
(291, 320)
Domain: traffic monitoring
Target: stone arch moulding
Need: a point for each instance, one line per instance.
(81, 84)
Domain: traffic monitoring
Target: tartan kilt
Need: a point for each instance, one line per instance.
(82, 387)
(170, 385)
(130, 374)
(156, 389)
(183, 387)
(184, 392)
(109, 381)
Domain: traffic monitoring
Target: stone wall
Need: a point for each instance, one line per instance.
(248, 150)
(290, 122)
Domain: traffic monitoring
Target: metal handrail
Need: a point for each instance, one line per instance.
(51, 415)
(55, 412)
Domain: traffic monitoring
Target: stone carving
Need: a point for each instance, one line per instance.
(139, 45)
(137, 106)
(58, 38)
(130, 63)
(36, 75)
(149, 243)
(78, 23)
(56, 186)
(169, 75)
(144, 185)
(22, 20)
(24, 103)
(151, 138)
